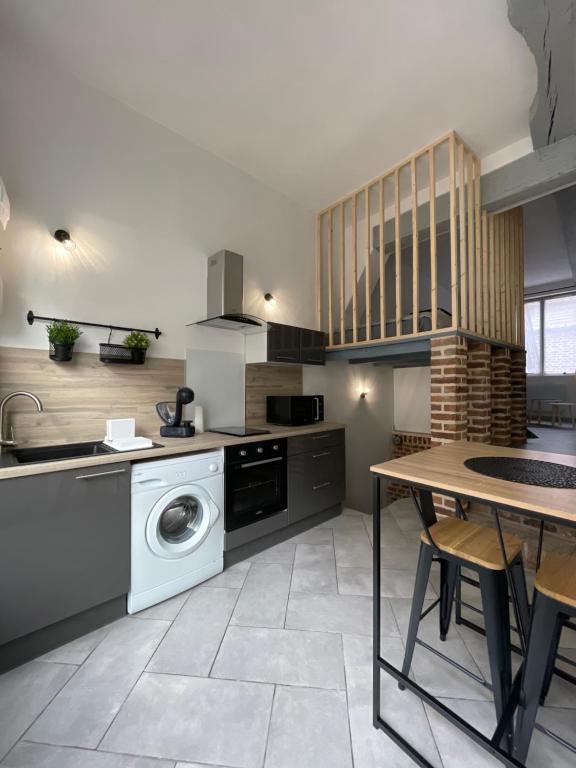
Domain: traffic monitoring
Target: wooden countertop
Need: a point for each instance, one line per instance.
(442, 469)
(170, 447)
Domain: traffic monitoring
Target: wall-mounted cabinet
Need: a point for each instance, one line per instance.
(286, 344)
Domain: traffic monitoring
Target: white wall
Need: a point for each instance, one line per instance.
(146, 208)
(368, 421)
(412, 399)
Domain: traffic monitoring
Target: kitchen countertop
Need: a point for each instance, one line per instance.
(207, 441)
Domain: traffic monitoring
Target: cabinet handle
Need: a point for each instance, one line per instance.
(319, 437)
(319, 455)
(322, 485)
(313, 360)
(286, 357)
(100, 474)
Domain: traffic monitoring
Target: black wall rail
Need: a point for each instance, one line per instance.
(31, 317)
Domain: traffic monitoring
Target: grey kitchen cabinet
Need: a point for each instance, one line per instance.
(290, 344)
(316, 473)
(64, 545)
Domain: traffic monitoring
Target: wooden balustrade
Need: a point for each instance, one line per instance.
(411, 253)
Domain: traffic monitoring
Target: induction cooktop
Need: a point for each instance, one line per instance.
(239, 431)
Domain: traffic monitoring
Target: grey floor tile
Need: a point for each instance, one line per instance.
(165, 611)
(404, 513)
(286, 656)
(29, 755)
(77, 651)
(318, 577)
(337, 613)
(309, 554)
(371, 748)
(345, 522)
(199, 765)
(309, 729)
(195, 720)
(85, 707)
(402, 557)
(314, 536)
(24, 692)
(232, 577)
(262, 602)
(191, 644)
(281, 553)
(453, 744)
(355, 581)
(400, 583)
(353, 549)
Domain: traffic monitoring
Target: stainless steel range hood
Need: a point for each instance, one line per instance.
(225, 296)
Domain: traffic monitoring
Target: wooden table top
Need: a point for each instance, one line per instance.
(442, 469)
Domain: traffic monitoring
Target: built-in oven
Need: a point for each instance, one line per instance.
(255, 482)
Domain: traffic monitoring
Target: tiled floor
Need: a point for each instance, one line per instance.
(268, 665)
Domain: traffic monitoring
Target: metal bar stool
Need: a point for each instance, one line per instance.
(554, 604)
(455, 543)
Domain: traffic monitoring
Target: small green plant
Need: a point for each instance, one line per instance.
(63, 332)
(136, 340)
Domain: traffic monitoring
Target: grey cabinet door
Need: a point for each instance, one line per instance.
(64, 545)
(283, 344)
(312, 347)
(316, 481)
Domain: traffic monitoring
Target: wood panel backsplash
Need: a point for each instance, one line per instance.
(266, 379)
(80, 395)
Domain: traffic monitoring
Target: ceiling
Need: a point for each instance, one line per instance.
(313, 97)
(549, 247)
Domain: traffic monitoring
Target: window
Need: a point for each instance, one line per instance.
(550, 327)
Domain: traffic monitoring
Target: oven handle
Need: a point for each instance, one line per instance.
(263, 461)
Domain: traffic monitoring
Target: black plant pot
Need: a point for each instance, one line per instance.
(118, 353)
(61, 353)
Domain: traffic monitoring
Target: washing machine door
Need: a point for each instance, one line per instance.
(180, 521)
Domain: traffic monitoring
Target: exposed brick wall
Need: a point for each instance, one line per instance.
(479, 392)
(448, 390)
(404, 444)
(518, 396)
(501, 396)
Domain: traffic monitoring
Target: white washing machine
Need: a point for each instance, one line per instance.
(177, 526)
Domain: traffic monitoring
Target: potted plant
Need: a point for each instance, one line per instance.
(137, 342)
(62, 336)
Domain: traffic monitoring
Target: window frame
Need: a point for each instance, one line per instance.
(541, 301)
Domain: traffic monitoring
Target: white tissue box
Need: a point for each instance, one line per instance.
(120, 429)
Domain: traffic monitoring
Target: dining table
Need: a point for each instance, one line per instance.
(518, 481)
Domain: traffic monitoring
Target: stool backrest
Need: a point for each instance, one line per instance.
(426, 511)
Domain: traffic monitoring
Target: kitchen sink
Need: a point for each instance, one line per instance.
(59, 452)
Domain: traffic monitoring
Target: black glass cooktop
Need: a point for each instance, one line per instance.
(240, 431)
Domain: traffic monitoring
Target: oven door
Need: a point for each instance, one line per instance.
(254, 490)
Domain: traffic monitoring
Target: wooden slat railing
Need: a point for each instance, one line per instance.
(411, 254)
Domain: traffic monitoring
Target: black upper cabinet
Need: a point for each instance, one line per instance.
(289, 344)
(312, 347)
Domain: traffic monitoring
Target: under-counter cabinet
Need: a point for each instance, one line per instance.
(316, 473)
(64, 546)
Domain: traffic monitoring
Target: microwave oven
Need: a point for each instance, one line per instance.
(294, 410)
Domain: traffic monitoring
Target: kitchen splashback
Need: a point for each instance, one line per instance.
(266, 379)
(80, 395)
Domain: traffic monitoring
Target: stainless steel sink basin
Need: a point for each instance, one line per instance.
(59, 452)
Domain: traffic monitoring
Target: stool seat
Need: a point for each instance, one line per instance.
(472, 542)
(556, 578)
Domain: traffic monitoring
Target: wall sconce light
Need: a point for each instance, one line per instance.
(64, 238)
(270, 299)
(363, 394)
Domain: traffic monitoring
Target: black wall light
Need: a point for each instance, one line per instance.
(64, 238)
(270, 299)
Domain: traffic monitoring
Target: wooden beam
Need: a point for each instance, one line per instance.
(330, 277)
(433, 255)
(492, 275)
(367, 280)
(342, 274)
(471, 252)
(382, 208)
(463, 240)
(319, 271)
(478, 239)
(485, 330)
(398, 252)
(354, 269)
(415, 254)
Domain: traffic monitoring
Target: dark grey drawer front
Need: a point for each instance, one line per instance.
(316, 481)
(316, 442)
